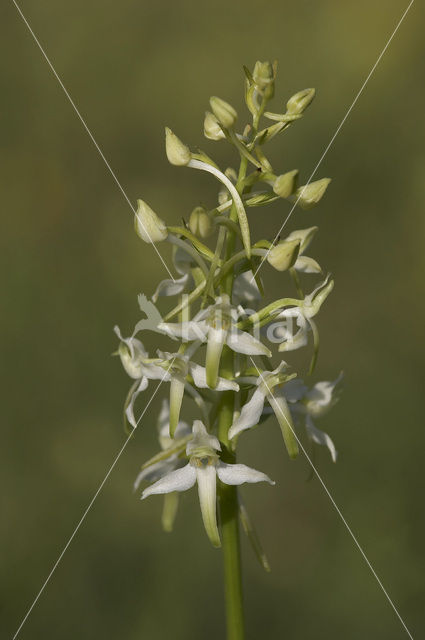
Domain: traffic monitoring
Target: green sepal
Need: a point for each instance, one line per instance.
(200, 246)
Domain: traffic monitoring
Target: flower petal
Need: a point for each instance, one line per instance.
(191, 330)
(207, 487)
(304, 264)
(202, 439)
(243, 342)
(199, 376)
(170, 287)
(179, 480)
(250, 414)
(320, 437)
(157, 470)
(129, 412)
(240, 473)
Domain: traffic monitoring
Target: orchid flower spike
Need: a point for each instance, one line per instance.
(203, 467)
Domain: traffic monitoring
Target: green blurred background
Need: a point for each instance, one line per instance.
(72, 267)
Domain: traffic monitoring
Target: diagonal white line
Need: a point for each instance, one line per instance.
(338, 510)
(83, 517)
(335, 135)
(90, 134)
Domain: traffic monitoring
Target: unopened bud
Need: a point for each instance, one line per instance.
(310, 194)
(264, 75)
(300, 101)
(149, 227)
(284, 254)
(212, 129)
(200, 223)
(177, 152)
(224, 112)
(285, 185)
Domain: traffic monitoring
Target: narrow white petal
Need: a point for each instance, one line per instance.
(243, 342)
(179, 480)
(320, 437)
(199, 375)
(207, 483)
(170, 287)
(245, 288)
(129, 412)
(240, 473)
(191, 330)
(250, 414)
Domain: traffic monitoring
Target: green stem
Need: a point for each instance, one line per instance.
(229, 518)
(229, 503)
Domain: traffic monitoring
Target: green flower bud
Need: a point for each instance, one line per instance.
(212, 129)
(223, 111)
(200, 223)
(264, 76)
(149, 227)
(300, 101)
(285, 185)
(177, 152)
(284, 254)
(310, 194)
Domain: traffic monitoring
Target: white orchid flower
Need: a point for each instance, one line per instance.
(313, 403)
(169, 459)
(137, 364)
(203, 467)
(169, 367)
(216, 325)
(268, 388)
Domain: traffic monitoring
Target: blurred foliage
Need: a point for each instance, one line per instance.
(72, 266)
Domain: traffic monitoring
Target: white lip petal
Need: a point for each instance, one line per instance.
(320, 437)
(191, 330)
(243, 342)
(240, 473)
(207, 487)
(129, 412)
(199, 376)
(250, 414)
(179, 480)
